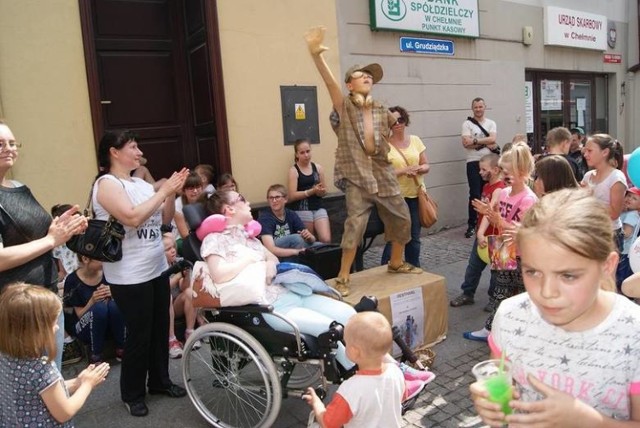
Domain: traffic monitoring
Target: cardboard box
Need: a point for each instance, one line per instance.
(407, 297)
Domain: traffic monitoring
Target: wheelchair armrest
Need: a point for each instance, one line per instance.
(263, 309)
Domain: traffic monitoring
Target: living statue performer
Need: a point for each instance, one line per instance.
(362, 170)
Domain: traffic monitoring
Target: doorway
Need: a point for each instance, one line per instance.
(566, 99)
(154, 67)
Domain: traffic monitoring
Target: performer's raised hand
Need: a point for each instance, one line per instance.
(314, 38)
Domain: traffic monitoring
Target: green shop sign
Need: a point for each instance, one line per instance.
(450, 17)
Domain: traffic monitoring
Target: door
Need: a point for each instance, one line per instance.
(205, 78)
(566, 99)
(140, 78)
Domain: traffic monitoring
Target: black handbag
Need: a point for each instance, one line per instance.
(102, 240)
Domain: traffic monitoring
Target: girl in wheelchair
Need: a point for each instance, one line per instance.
(233, 252)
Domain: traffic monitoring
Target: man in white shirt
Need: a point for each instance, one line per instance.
(476, 143)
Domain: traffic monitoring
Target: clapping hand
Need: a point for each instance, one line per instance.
(94, 374)
(314, 38)
(68, 224)
(480, 206)
(491, 212)
(174, 183)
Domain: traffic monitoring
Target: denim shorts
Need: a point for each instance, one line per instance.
(312, 216)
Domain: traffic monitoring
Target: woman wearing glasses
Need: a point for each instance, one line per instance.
(28, 235)
(233, 252)
(409, 158)
(137, 286)
(307, 178)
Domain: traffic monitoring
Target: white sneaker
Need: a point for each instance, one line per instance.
(197, 344)
(175, 349)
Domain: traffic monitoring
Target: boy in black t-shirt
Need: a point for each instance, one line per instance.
(283, 233)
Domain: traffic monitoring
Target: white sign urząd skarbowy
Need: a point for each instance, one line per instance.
(574, 28)
(450, 17)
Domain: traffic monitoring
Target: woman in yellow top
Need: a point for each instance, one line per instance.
(415, 166)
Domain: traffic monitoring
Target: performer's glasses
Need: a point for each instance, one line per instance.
(400, 121)
(359, 74)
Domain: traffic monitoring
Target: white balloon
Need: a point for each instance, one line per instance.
(634, 256)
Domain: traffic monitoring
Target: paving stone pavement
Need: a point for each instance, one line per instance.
(445, 402)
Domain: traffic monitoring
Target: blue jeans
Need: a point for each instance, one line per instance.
(313, 315)
(293, 241)
(472, 275)
(412, 249)
(475, 189)
(101, 318)
(623, 271)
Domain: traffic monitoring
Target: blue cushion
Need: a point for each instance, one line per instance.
(300, 279)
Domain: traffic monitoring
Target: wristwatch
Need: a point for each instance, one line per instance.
(475, 141)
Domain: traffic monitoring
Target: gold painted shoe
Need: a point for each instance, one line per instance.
(404, 268)
(342, 286)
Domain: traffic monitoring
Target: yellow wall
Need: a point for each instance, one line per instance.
(44, 95)
(262, 48)
(44, 98)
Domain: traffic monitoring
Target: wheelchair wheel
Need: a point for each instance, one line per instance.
(305, 375)
(231, 379)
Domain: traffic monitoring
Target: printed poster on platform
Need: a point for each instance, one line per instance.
(407, 315)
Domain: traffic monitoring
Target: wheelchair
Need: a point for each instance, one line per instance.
(244, 368)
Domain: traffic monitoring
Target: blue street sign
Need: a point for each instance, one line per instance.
(426, 46)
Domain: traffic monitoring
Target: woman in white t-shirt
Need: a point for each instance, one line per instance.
(136, 282)
(604, 155)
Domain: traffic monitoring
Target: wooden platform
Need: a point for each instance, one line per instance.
(406, 296)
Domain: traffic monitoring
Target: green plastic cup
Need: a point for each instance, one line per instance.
(497, 380)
